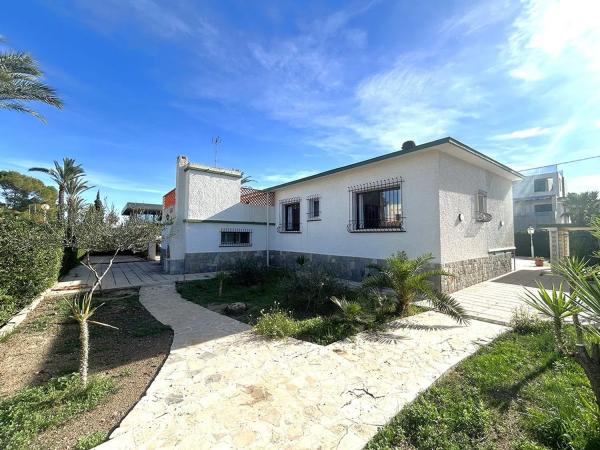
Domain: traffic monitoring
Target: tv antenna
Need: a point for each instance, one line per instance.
(216, 141)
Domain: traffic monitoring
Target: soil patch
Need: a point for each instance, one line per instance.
(46, 345)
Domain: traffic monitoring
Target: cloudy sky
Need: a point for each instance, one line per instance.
(294, 88)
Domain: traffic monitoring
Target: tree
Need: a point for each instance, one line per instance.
(20, 82)
(246, 179)
(19, 191)
(62, 175)
(582, 206)
(98, 203)
(102, 231)
(411, 279)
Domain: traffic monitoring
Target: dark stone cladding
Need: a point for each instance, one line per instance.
(465, 273)
(472, 271)
(215, 261)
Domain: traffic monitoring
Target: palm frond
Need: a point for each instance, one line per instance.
(448, 305)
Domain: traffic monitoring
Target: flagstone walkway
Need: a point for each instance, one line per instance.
(224, 387)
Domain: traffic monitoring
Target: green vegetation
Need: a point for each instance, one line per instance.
(91, 440)
(300, 303)
(31, 254)
(20, 191)
(517, 393)
(32, 410)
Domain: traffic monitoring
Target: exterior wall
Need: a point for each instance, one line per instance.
(210, 193)
(216, 261)
(467, 240)
(472, 271)
(329, 236)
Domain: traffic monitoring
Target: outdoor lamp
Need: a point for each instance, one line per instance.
(45, 207)
(530, 231)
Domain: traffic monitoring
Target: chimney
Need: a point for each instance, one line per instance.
(407, 145)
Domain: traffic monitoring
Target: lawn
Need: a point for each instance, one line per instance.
(42, 402)
(516, 393)
(277, 314)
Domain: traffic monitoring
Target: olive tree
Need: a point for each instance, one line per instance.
(102, 230)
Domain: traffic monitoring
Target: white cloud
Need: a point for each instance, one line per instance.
(522, 134)
(583, 183)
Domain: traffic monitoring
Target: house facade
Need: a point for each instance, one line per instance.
(539, 198)
(442, 197)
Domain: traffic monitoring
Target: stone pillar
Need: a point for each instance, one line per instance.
(554, 250)
(563, 244)
(152, 251)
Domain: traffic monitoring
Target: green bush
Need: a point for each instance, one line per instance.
(310, 288)
(276, 324)
(248, 271)
(524, 322)
(70, 260)
(30, 259)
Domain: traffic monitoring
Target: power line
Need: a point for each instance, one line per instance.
(562, 163)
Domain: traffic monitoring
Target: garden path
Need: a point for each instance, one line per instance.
(225, 387)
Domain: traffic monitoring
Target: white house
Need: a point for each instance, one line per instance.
(441, 197)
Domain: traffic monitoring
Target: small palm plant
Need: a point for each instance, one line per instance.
(221, 277)
(411, 279)
(556, 305)
(81, 310)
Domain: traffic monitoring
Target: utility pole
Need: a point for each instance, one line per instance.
(216, 141)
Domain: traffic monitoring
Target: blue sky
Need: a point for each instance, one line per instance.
(294, 88)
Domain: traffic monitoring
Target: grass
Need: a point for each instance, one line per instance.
(517, 393)
(267, 316)
(91, 440)
(32, 410)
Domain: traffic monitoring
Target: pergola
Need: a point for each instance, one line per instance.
(559, 238)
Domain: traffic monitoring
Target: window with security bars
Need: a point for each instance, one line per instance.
(377, 207)
(236, 238)
(289, 218)
(314, 208)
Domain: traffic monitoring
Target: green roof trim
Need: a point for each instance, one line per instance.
(446, 140)
(226, 221)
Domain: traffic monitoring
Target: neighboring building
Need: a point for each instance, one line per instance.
(441, 197)
(539, 198)
(168, 206)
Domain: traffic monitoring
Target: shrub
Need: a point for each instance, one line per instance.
(7, 307)
(309, 289)
(525, 322)
(248, 271)
(30, 258)
(276, 324)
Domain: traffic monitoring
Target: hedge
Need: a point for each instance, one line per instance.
(541, 243)
(30, 261)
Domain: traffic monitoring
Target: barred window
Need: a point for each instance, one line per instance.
(376, 206)
(314, 207)
(289, 218)
(232, 237)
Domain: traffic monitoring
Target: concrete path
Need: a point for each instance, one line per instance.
(495, 300)
(224, 387)
(126, 272)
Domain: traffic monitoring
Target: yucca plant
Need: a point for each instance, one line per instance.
(412, 279)
(81, 310)
(584, 282)
(556, 305)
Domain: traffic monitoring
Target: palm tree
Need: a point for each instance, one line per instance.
(20, 81)
(582, 206)
(411, 279)
(246, 178)
(62, 175)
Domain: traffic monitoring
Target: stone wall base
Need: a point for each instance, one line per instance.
(466, 272)
(472, 271)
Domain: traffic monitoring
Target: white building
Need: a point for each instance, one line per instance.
(441, 197)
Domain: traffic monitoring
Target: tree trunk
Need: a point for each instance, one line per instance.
(84, 342)
(591, 367)
(61, 203)
(560, 343)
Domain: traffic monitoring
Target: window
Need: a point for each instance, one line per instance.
(377, 207)
(235, 238)
(314, 208)
(542, 185)
(290, 216)
(543, 208)
(481, 213)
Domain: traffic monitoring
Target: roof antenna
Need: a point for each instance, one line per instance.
(216, 141)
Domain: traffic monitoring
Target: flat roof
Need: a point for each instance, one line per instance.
(216, 170)
(427, 145)
(143, 208)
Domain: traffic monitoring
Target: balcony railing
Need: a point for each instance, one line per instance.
(483, 217)
(375, 225)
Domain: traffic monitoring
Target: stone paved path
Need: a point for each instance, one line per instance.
(126, 272)
(224, 387)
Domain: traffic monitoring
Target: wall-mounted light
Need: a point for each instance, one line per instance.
(461, 217)
(502, 223)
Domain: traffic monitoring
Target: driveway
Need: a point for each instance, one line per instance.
(224, 387)
(495, 300)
